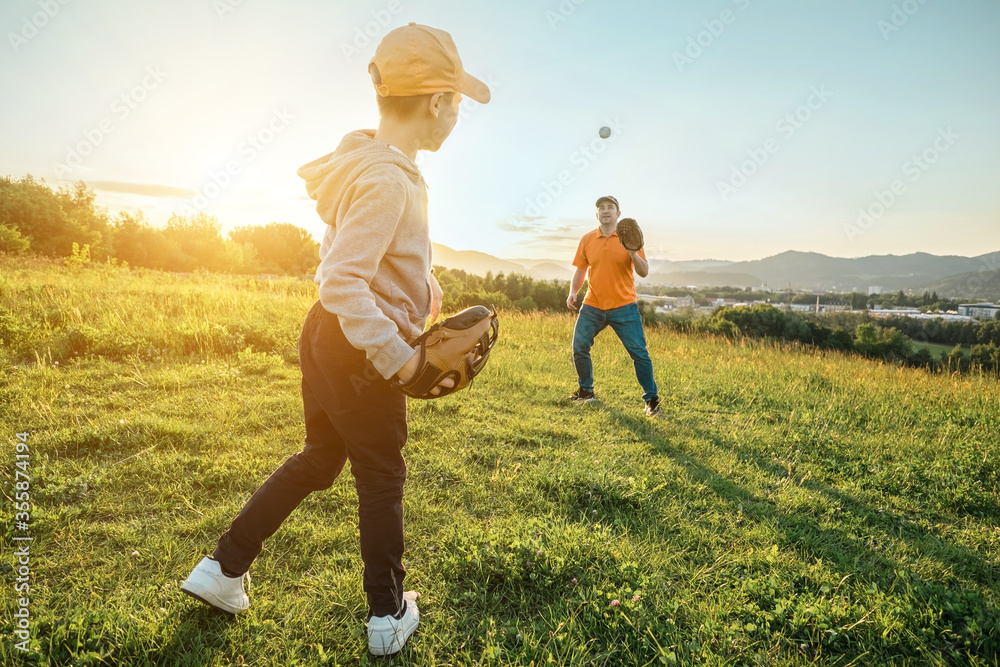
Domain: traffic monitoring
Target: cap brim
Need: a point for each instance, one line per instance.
(476, 89)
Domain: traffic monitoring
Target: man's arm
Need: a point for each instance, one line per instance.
(641, 265)
(574, 287)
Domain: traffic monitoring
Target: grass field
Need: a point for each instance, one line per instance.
(937, 348)
(789, 507)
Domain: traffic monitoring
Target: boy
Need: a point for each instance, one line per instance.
(376, 292)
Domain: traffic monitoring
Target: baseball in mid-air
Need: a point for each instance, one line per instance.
(605, 132)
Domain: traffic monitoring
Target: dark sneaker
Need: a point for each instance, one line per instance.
(653, 406)
(582, 396)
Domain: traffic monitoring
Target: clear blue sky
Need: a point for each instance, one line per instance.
(707, 154)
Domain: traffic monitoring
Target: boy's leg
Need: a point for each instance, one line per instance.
(589, 323)
(627, 323)
(369, 415)
(312, 469)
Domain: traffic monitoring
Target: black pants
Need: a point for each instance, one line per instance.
(351, 413)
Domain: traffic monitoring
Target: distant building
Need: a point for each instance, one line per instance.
(979, 311)
(893, 312)
(874, 290)
(917, 315)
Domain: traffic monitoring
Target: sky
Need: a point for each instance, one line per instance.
(740, 128)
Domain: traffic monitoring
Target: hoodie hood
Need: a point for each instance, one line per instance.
(328, 177)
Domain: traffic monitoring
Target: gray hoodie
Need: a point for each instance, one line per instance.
(375, 258)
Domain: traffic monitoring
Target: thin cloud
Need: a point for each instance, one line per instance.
(143, 189)
(541, 227)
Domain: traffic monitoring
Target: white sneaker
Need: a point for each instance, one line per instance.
(207, 583)
(387, 634)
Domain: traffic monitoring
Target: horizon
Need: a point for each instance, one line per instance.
(739, 130)
(716, 259)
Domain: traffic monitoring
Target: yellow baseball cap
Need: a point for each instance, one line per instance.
(420, 60)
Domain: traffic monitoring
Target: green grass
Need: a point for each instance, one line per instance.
(790, 507)
(937, 348)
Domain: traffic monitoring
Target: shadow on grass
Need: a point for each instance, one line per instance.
(965, 620)
(200, 637)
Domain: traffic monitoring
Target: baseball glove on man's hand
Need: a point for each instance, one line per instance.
(630, 235)
(458, 347)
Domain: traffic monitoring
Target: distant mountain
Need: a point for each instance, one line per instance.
(551, 271)
(480, 263)
(472, 261)
(668, 266)
(983, 284)
(810, 270)
(949, 275)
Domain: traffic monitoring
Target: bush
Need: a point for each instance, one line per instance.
(885, 343)
(11, 241)
(761, 321)
(839, 339)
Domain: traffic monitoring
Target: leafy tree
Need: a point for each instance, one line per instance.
(136, 241)
(882, 343)
(11, 241)
(52, 220)
(199, 240)
(796, 329)
(760, 321)
(839, 339)
(281, 247)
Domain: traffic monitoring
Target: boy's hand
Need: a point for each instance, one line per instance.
(412, 366)
(437, 294)
(448, 356)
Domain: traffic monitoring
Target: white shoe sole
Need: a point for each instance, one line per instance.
(205, 596)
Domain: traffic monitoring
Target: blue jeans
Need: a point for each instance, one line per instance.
(627, 323)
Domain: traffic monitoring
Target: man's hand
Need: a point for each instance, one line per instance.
(574, 287)
(640, 264)
(437, 294)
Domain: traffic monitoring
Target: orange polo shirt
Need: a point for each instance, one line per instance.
(612, 284)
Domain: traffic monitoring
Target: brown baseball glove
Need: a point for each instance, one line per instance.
(458, 347)
(629, 234)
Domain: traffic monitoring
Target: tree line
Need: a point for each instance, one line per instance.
(869, 337)
(66, 222)
(926, 302)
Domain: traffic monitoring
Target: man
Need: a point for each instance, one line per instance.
(376, 292)
(610, 301)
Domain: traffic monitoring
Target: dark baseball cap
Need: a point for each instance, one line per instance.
(610, 199)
